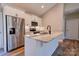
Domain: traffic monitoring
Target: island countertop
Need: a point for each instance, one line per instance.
(42, 44)
(44, 37)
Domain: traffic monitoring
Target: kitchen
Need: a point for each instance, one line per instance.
(35, 23)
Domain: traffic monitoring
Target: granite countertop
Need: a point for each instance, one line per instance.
(44, 37)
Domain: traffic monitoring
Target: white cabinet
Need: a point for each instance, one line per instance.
(35, 47)
(39, 20)
(34, 18)
(48, 48)
(31, 45)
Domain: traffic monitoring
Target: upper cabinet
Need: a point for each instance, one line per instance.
(13, 12)
(34, 18)
(37, 19)
(27, 16)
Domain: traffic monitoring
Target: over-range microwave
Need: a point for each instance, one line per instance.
(33, 23)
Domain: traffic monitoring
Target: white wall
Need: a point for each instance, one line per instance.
(1, 31)
(54, 17)
(1, 28)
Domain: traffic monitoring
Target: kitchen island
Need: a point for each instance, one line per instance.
(42, 44)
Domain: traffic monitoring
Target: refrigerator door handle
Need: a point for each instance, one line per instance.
(78, 30)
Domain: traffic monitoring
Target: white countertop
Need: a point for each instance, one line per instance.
(44, 37)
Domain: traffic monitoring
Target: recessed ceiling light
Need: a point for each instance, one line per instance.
(42, 6)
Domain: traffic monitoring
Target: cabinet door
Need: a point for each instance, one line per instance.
(72, 29)
(31, 45)
(20, 32)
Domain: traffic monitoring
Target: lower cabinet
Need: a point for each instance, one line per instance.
(39, 48)
(31, 45)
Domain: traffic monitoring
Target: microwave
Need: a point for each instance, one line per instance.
(33, 23)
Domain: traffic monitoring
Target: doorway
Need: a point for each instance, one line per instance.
(72, 26)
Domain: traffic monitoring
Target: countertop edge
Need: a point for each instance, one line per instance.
(60, 33)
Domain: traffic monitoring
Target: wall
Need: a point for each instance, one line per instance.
(1, 28)
(54, 17)
(1, 31)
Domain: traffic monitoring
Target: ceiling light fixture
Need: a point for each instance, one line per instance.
(42, 6)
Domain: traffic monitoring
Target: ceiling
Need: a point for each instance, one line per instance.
(71, 8)
(34, 8)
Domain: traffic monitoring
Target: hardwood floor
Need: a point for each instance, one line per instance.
(17, 52)
(67, 48)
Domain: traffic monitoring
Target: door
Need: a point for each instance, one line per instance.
(20, 32)
(72, 28)
(11, 37)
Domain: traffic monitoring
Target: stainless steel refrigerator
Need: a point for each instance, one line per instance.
(15, 32)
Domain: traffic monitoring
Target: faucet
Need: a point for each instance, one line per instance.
(49, 29)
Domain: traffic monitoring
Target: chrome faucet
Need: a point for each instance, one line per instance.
(49, 29)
